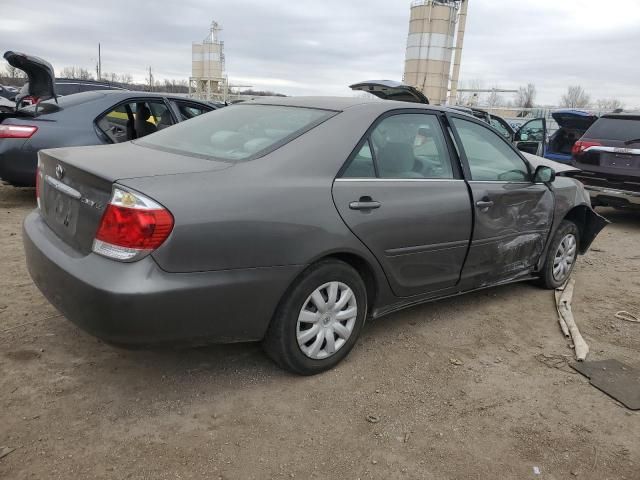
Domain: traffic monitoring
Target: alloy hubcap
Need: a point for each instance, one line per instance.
(326, 320)
(564, 258)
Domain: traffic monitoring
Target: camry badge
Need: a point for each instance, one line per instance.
(59, 172)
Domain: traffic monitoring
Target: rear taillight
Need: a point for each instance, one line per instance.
(29, 100)
(17, 131)
(132, 226)
(581, 145)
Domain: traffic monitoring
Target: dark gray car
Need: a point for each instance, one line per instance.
(291, 221)
(88, 118)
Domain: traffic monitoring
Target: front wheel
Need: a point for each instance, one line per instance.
(319, 319)
(561, 256)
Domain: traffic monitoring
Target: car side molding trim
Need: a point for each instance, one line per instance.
(398, 180)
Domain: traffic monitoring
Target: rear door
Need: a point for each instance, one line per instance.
(513, 215)
(404, 198)
(531, 137)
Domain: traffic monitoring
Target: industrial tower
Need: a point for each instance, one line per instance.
(208, 79)
(436, 35)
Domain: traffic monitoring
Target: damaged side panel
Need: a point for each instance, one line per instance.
(510, 234)
(572, 203)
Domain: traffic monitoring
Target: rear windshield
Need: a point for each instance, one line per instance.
(238, 132)
(622, 129)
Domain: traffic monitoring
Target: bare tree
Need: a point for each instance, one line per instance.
(575, 97)
(77, 73)
(14, 73)
(526, 96)
(126, 78)
(494, 99)
(111, 77)
(609, 104)
(469, 98)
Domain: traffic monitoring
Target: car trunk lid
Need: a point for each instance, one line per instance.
(40, 74)
(75, 184)
(391, 90)
(574, 119)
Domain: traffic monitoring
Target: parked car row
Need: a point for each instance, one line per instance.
(99, 116)
(289, 221)
(292, 221)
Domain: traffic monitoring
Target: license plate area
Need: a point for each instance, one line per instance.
(61, 205)
(620, 160)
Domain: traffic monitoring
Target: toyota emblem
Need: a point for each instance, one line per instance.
(59, 172)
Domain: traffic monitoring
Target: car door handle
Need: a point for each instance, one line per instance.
(484, 204)
(365, 203)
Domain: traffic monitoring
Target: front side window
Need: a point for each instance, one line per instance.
(403, 146)
(490, 157)
(238, 132)
(532, 131)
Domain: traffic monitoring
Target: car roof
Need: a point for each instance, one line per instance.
(123, 94)
(342, 103)
(635, 115)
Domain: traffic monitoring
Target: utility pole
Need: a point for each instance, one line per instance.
(99, 68)
(150, 80)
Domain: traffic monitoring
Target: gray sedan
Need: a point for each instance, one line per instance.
(292, 221)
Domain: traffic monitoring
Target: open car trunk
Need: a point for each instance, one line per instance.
(391, 90)
(572, 125)
(40, 74)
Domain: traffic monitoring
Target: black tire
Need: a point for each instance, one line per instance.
(547, 279)
(281, 343)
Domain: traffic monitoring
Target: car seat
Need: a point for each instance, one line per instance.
(142, 124)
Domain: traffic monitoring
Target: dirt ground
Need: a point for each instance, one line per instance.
(472, 387)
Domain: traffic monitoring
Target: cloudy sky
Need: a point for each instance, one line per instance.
(319, 47)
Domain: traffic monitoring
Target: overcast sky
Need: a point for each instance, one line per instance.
(319, 47)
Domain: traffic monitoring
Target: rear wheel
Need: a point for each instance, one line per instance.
(561, 256)
(319, 319)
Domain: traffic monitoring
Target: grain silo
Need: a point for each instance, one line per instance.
(207, 67)
(436, 29)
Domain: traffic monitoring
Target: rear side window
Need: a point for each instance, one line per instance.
(239, 132)
(621, 129)
(135, 119)
(188, 110)
(403, 146)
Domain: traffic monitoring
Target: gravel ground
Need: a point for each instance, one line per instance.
(471, 387)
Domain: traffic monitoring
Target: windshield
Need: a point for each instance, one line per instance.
(239, 132)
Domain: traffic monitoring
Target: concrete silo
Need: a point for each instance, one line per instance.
(436, 29)
(208, 79)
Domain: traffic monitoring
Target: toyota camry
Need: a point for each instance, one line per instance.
(293, 221)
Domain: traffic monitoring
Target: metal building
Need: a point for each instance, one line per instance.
(208, 79)
(436, 30)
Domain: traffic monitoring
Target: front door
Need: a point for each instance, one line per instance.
(531, 137)
(513, 215)
(401, 195)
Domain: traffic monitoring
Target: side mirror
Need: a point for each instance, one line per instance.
(544, 174)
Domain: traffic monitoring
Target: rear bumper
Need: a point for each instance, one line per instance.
(18, 165)
(612, 197)
(138, 303)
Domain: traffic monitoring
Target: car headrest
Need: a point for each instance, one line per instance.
(143, 112)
